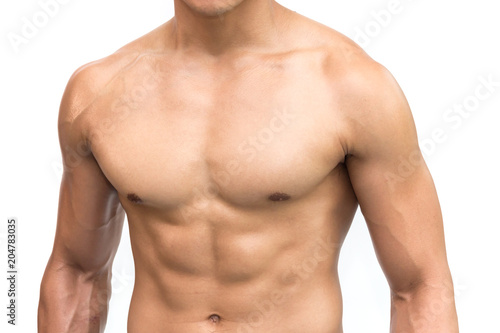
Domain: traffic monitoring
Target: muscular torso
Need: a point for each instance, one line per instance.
(232, 177)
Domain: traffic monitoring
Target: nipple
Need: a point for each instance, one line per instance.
(279, 196)
(134, 198)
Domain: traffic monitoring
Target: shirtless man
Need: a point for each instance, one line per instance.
(239, 138)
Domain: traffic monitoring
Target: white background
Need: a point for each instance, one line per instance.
(437, 50)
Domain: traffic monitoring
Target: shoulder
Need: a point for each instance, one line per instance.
(372, 104)
(83, 89)
(346, 66)
(370, 108)
(94, 81)
(89, 81)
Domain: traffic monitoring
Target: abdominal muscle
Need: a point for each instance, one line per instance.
(228, 268)
(312, 305)
(282, 279)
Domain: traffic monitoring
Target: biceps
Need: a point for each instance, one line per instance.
(388, 186)
(90, 218)
(403, 216)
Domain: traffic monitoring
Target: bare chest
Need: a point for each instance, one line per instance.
(164, 141)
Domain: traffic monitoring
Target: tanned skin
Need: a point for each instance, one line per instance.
(240, 138)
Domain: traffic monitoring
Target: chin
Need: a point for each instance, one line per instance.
(212, 7)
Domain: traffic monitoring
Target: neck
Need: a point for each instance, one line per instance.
(251, 24)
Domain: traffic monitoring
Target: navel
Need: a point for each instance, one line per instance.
(134, 198)
(214, 318)
(279, 196)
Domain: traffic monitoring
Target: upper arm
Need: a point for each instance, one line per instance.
(392, 182)
(90, 216)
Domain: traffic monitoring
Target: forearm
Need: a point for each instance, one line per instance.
(73, 301)
(427, 308)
